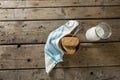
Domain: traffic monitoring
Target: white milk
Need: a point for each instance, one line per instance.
(91, 35)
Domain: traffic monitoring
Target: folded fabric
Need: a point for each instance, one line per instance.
(53, 54)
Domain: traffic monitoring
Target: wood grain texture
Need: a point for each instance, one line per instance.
(31, 21)
(38, 31)
(103, 73)
(59, 13)
(32, 56)
(55, 3)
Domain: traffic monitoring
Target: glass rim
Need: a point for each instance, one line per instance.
(107, 26)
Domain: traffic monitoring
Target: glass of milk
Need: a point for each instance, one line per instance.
(100, 31)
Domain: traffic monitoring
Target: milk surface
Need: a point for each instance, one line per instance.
(93, 35)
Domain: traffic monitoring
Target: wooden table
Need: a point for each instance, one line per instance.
(26, 24)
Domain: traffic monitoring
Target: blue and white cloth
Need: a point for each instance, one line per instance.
(53, 54)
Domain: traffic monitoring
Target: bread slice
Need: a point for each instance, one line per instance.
(69, 44)
(70, 41)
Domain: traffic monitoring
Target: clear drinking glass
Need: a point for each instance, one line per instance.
(100, 31)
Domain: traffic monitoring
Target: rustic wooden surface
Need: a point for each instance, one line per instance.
(56, 3)
(102, 73)
(59, 13)
(37, 31)
(26, 24)
(31, 56)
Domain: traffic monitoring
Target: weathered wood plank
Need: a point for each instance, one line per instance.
(9, 75)
(32, 56)
(100, 73)
(55, 3)
(38, 31)
(59, 13)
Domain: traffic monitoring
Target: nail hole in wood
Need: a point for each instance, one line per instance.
(74, 2)
(91, 73)
(79, 61)
(40, 27)
(96, 0)
(18, 46)
(24, 25)
(28, 60)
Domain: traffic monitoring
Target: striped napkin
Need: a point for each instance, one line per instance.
(53, 54)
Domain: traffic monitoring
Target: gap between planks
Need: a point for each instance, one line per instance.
(111, 66)
(19, 44)
(62, 6)
(62, 19)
